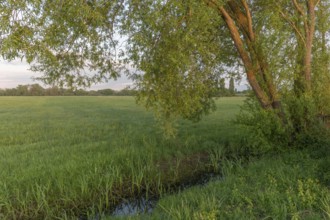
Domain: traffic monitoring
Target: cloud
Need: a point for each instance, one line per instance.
(119, 84)
(16, 73)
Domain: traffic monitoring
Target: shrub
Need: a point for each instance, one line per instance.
(266, 130)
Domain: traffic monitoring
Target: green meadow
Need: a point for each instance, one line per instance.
(78, 157)
(65, 156)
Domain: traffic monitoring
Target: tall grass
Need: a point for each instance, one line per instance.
(273, 187)
(75, 156)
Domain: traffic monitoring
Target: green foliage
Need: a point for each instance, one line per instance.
(180, 73)
(231, 86)
(264, 131)
(301, 126)
(321, 152)
(274, 187)
(187, 34)
(65, 40)
(324, 172)
(306, 128)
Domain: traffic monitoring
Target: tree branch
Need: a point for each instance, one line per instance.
(317, 2)
(299, 9)
(295, 28)
(249, 19)
(303, 14)
(262, 96)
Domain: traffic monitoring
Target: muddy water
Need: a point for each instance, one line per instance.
(134, 207)
(146, 205)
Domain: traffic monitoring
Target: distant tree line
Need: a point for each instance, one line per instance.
(230, 91)
(37, 90)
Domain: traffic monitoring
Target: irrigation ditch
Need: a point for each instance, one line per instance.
(194, 170)
(143, 204)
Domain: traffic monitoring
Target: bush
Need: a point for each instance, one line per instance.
(263, 129)
(324, 171)
(266, 131)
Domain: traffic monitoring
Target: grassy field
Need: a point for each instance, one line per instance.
(72, 156)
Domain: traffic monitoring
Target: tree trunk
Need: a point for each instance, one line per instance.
(305, 40)
(240, 26)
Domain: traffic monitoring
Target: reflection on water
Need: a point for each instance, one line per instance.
(145, 205)
(135, 207)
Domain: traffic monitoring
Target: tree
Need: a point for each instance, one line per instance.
(66, 40)
(36, 90)
(231, 86)
(52, 91)
(222, 84)
(22, 90)
(107, 92)
(181, 47)
(223, 91)
(273, 42)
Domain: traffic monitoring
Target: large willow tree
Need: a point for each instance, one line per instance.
(180, 49)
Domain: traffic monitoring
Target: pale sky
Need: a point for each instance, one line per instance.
(16, 73)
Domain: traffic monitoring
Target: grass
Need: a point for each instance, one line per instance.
(69, 157)
(274, 187)
(73, 156)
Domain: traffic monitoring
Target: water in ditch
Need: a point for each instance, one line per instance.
(146, 205)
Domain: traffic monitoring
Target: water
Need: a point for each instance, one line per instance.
(144, 205)
(134, 207)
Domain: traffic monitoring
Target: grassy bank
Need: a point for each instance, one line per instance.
(282, 186)
(71, 156)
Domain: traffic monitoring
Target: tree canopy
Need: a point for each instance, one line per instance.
(180, 49)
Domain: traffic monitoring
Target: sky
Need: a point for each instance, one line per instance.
(16, 73)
